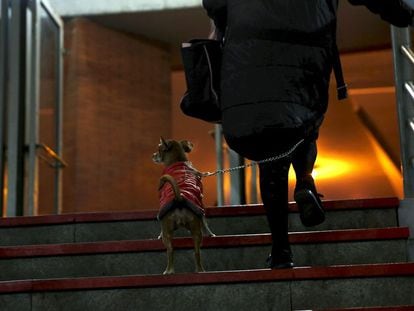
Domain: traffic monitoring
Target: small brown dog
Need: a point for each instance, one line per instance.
(181, 195)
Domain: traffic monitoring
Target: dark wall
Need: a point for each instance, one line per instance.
(116, 105)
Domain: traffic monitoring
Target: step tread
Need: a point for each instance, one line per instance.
(225, 241)
(205, 278)
(241, 210)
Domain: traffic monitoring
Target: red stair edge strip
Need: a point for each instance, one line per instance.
(245, 210)
(391, 308)
(210, 278)
(208, 242)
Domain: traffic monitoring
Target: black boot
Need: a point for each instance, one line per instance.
(274, 191)
(308, 201)
(281, 260)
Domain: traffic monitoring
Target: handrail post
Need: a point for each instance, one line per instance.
(404, 76)
(237, 179)
(218, 136)
(4, 26)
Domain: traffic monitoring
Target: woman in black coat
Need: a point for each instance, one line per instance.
(277, 61)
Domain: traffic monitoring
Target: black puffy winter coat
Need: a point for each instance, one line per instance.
(277, 61)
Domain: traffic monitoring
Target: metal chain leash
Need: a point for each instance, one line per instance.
(274, 158)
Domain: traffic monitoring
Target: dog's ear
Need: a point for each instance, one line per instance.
(187, 145)
(163, 142)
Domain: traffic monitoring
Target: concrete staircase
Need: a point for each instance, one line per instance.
(356, 260)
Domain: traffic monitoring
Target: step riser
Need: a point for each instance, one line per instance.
(335, 220)
(284, 295)
(17, 302)
(353, 293)
(150, 229)
(214, 259)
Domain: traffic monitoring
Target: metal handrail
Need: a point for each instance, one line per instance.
(408, 52)
(404, 75)
(58, 161)
(409, 86)
(411, 123)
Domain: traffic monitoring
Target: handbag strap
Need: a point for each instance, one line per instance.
(341, 86)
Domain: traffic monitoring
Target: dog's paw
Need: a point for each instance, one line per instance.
(168, 271)
(208, 234)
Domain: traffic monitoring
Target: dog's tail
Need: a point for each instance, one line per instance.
(174, 185)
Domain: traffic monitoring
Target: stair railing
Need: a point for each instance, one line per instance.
(404, 77)
(404, 87)
(49, 156)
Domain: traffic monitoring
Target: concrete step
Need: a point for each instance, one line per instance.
(303, 288)
(250, 219)
(219, 253)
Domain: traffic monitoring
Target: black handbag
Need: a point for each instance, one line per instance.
(202, 65)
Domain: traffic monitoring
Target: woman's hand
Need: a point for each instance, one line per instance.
(213, 31)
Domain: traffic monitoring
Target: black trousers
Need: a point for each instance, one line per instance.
(274, 191)
(274, 175)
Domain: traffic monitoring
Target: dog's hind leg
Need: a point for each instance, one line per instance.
(167, 236)
(170, 254)
(197, 235)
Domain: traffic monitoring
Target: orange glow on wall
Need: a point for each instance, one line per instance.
(328, 168)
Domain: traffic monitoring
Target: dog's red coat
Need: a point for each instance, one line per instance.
(189, 181)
